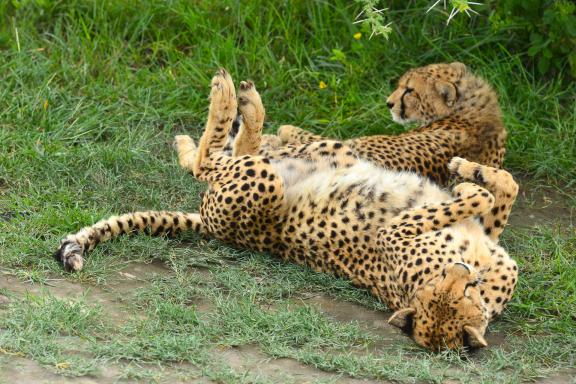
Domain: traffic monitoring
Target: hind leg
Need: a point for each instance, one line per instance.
(222, 112)
(332, 152)
(220, 136)
(249, 137)
(291, 135)
(497, 181)
(245, 195)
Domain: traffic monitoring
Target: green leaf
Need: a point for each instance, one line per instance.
(543, 65)
(338, 55)
(571, 26)
(533, 51)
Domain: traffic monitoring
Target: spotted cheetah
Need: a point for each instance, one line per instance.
(422, 250)
(459, 113)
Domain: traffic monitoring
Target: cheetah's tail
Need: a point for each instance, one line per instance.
(156, 223)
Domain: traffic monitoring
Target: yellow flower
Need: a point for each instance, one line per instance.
(358, 35)
(322, 85)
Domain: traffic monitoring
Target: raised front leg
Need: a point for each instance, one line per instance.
(471, 200)
(497, 181)
(402, 241)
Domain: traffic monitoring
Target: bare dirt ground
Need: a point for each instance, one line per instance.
(538, 205)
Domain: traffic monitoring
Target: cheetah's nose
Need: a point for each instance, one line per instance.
(389, 104)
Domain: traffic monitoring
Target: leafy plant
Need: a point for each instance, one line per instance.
(546, 30)
(543, 31)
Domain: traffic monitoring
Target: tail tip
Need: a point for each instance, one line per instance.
(70, 255)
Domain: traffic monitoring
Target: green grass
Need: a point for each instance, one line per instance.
(93, 93)
(48, 330)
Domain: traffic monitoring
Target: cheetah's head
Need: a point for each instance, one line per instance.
(427, 93)
(447, 312)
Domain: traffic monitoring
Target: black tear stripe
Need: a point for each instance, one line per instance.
(468, 348)
(457, 92)
(402, 105)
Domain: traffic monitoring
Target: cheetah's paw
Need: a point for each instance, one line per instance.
(467, 169)
(186, 150)
(222, 96)
(289, 134)
(250, 106)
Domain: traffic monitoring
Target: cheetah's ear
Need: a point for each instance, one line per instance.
(447, 90)
(475, 338)
(403, 319)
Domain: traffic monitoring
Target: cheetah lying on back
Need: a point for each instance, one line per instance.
(459, 113)
(420, 249)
